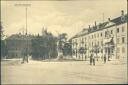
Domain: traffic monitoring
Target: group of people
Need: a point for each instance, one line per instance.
(93, 57)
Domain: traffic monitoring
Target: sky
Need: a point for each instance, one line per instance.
(58, 16)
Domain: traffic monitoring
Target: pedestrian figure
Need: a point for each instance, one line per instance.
(108, 57)
(25, 56)
(23, 59)
(97, 56)
(104, 58)
(91, 58)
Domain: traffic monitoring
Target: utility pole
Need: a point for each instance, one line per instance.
(26, 20)
(26, 10)
(26, 40)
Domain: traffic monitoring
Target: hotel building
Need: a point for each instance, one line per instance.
(107, 38)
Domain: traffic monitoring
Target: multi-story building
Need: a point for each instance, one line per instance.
(16, 45)
(107, 38)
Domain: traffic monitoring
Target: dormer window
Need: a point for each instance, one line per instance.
(122, 18)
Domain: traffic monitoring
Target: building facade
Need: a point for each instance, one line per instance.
(107, 38)
(16, 45)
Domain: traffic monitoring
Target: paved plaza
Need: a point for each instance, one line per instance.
(64, 72)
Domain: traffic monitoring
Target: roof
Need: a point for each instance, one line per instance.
(119, 20)
(116, 21)
(19, 37)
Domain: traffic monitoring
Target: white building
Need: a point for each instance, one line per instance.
(108, 38)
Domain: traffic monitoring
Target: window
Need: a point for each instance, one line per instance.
(82, 39)
(98, 43)
(118, 40)
(123, 50)
(101, 34)
(105, 33)
(118, 50)
(111, 31)
(117, 57)
(122, 28)
(89, 44)
(117, 30)
(112, 51)
(76, 40)
(95, 35)
(101, 42)
(123, 39)
(98, 35)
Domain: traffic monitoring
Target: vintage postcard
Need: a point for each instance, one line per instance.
(64, 42)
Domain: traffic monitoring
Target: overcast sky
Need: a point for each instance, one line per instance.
(58, 16)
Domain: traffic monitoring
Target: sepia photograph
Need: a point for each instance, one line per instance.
(64, 42)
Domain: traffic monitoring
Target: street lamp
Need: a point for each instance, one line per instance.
(26, 6)
(26, 9)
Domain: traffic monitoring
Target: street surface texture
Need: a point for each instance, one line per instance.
(64, 72)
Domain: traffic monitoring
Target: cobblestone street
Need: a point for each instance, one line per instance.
(65, 72)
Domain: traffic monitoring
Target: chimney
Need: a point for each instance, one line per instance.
(122, 12)
(89, 26)
(95, 23)
(109, 19)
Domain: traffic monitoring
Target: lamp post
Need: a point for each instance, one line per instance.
(26, 13)
(26, 24)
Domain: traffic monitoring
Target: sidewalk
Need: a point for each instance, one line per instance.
(13, 59)
(97, 63)
(112, 62)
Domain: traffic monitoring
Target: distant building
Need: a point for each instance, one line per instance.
(16, 44)
(107, 38)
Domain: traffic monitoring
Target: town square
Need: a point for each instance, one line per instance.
(64, 42)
